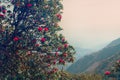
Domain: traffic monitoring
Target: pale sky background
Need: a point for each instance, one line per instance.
(91, 23)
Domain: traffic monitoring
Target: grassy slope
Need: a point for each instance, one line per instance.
(69, 76)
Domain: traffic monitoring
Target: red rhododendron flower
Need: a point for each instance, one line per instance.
(16, 39)
(65, 45)
(2, 15)
(61, 60)
(37, 45)
(40, 29)
(65, 54)
(43, 39)
(107, 72)
(54, 62)
(29, 5)
(59, 48)
(46, 29)
(59, 16)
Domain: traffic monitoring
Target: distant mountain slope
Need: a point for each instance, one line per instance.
(91, 62)
(113, 43)
(80, 52)
(107, 64)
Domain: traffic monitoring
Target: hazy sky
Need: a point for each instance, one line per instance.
(91, 23)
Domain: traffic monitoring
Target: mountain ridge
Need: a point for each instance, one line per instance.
(87, 63)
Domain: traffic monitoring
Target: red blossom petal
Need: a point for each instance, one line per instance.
(59, 16)
(37, 45)
(46, 29)
(43, 39)
(65, 54)
(61, 60)
(54, 62)
(65, 45)
(40, 29)
(59, 48)
(2, 15)
(16, 39)
(29, 5)
(107, 73)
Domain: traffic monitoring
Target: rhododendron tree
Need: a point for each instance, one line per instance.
(30, 45)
